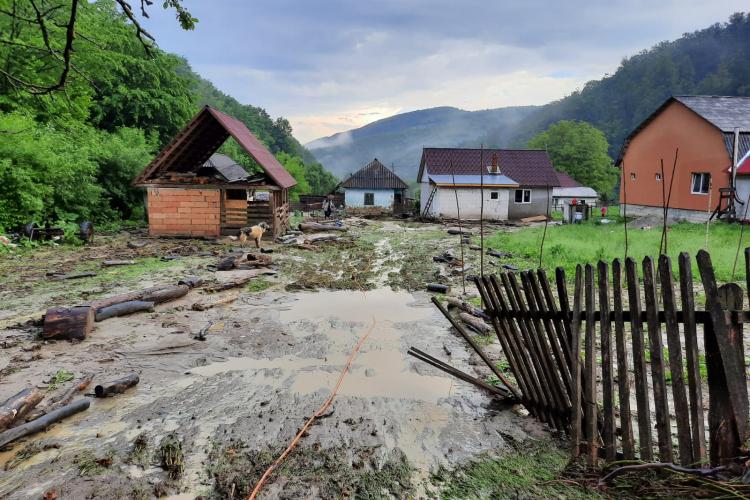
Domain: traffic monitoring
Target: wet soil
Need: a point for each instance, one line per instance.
(270, 358)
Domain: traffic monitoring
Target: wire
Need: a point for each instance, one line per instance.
(310, 421)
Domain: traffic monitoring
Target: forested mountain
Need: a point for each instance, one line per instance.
(85, 106)
(399, 140)
(715, 60)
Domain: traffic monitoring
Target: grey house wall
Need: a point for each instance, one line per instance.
(540, 198)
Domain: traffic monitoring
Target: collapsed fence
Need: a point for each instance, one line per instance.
(572, 358)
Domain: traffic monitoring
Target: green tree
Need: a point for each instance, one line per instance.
(321, 180)
(579, 150)
(295, 166)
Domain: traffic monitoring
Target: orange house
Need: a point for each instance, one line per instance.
(702, 131)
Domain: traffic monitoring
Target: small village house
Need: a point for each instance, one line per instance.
(192, 191)
(515, 183)
(569, 190)
(712, 134)
(374, 188)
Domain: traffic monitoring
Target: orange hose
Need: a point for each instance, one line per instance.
(319, 412)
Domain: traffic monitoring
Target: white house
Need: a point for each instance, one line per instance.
(569, 190)
(374, 186)
(514, 183)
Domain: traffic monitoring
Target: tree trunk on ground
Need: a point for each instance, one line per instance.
(110, 263)
(466, 307)
(311, 227)
(166, 294)
(126, 297)
(123, 308)
(61, 400)
(17, 406)
(73, 323)
(42, 423)
(474, 323)
(116, 386)
(315, 238)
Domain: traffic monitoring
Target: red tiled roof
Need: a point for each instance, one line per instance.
(201, 137)
(528, 167)
(567, 181)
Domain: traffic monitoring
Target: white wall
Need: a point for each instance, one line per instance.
(469, 201)
(355, 198)
(743, 191)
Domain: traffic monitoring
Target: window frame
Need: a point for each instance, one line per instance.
(525, 200)
(494, 195)
(701, 176)
(372, 199)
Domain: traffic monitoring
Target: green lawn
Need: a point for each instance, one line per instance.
(590, 242)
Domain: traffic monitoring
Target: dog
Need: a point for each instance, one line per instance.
(255, 232)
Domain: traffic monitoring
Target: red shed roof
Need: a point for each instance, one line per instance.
(743, 167)
(201, 137)
(567, 181)
(528, 167)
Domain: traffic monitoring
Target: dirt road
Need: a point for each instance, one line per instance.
(271, 356)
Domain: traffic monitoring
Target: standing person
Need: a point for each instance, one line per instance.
(328, 206)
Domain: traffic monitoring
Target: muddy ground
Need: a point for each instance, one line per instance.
(226, 406)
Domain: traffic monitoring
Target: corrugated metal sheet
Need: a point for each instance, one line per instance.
(201, 137)
(528, 167)
(227, 167)
(374, 175)
(489, 180)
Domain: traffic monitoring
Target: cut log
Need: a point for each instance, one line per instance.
(166, 294)
(191, 281)
(455, 230)
(42, 423)
(316, 238)
(204, 306)
(227, 263)
(18, 405)
(116, 386)
(240, 280)
(137, 244)
(62, 399)
(72, 276)
(437, 287)
(73, 323)
(111, 263)
(475, 323)
(254, 260)
(466, 307)
(535, 218)
(126, 297)
(123, 308)
(311, 227)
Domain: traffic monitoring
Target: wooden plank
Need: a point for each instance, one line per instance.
(547, 339)
(521, 354)
(562, 296)
(560, 332)
(697, 423)
(575, 346)
(538, 359)
(623, 379)
(729, 342)
(661, 402)
(589, 371)
(639, 362)
(725, 439)
(685, 445)
(608, 393)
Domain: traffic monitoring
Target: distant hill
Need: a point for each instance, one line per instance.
(715, 60)
(398, 140)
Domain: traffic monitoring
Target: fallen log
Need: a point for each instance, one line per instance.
(498, 254)
(116, 386)
(72, 276)
(191, 281)
(437, 287)
(17, 406)
(311, 227)
(62, 399)
(239, 281)
(123, 308)
(455, 230)
(126, 297)
(474, 323)
(69, 323)
(466, 307)
(111, 263)
(136, 244)
(166, 294)
(227, 263)
(42, 423)
(204, 306)
(315, 238)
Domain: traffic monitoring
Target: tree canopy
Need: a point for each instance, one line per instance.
(580, 150)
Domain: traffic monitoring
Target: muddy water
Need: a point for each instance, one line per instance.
(268, 363)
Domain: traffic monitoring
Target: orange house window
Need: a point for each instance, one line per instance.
(701, 183)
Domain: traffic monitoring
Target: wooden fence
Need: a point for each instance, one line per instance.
(572, 359)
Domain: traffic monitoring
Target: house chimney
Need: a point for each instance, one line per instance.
(494, 168)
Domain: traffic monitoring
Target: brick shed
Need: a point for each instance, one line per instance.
(193, 191)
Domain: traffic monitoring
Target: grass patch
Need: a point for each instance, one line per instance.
(341, 265)
(343, 472)
(568, 245)
(59, 378)
(89, 464)
(171, 456)
(532, 472)
(258, 284)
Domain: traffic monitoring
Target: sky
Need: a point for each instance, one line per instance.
(330, 66)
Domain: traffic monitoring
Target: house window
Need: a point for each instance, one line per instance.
(397, 198)
(632, 177)
(236, 194)
(369, 199)
(658, 177)
(494, 195)
(523, 195)
(701, 183)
